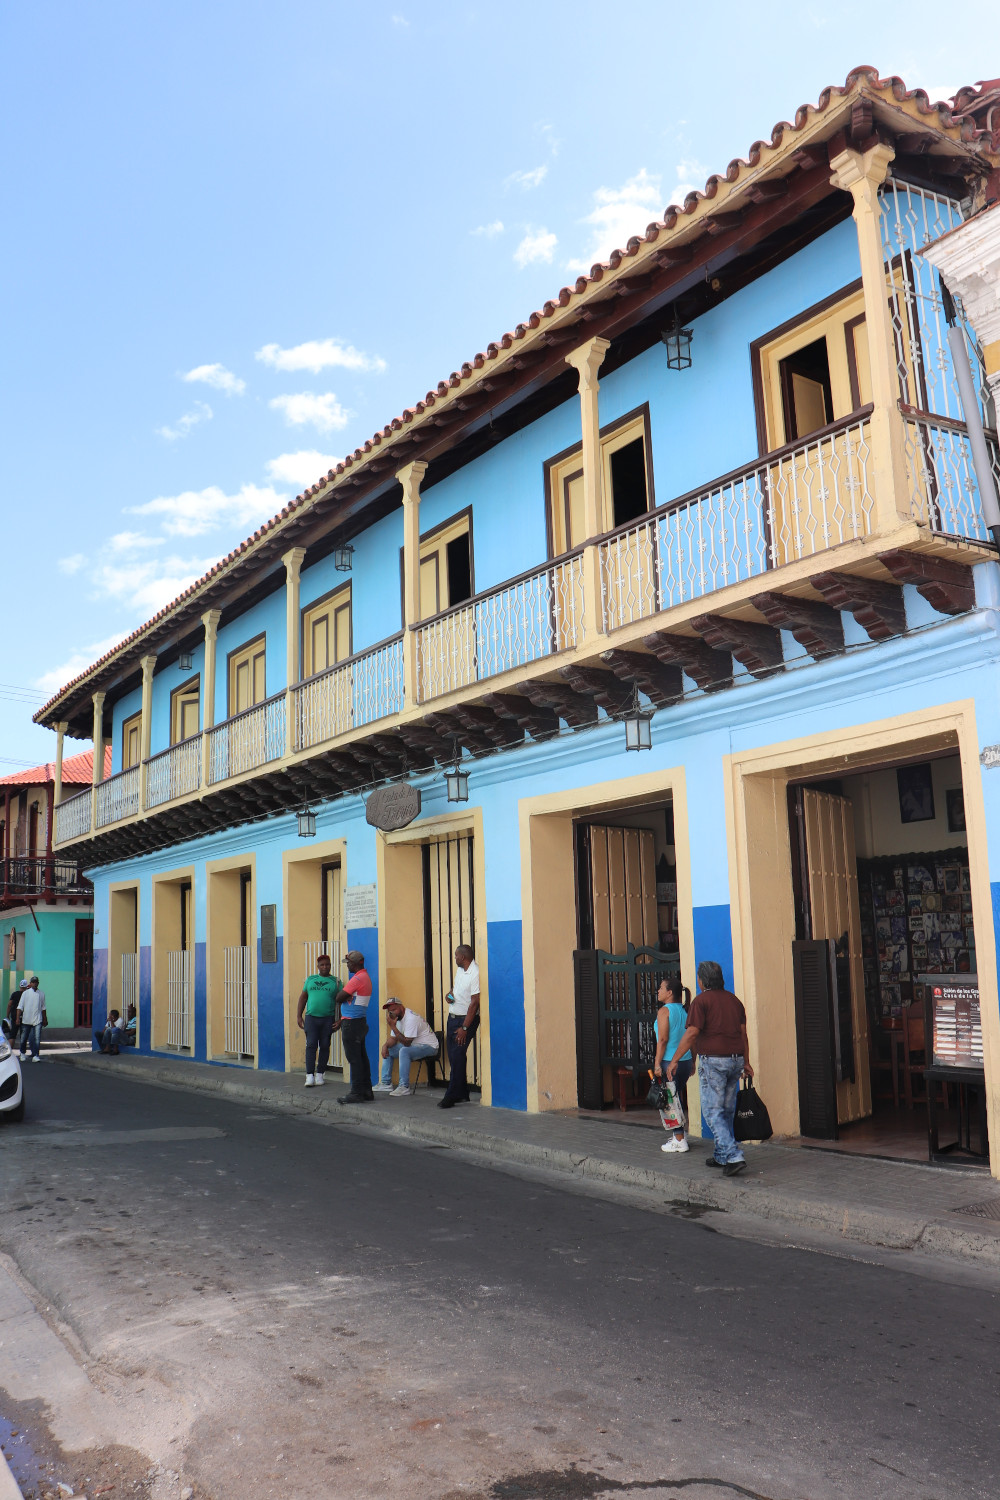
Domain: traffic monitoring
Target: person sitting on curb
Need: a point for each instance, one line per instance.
(317, 1015)
(112, 1038)
(410, 1038)
(717, 1031)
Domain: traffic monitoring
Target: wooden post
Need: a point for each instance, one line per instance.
(148, 665)
(210, 619)
(410, 478)
(60, 733)
(293, 560)
(98, 768)
(861, 174)
(587, 360)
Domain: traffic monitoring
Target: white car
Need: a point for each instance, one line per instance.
(11, 1085)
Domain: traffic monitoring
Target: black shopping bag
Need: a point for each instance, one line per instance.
(752, 1121)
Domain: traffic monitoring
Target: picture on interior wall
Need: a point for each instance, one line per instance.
(956, 810)
(916, 794)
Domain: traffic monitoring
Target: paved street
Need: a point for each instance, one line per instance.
(288, 1308)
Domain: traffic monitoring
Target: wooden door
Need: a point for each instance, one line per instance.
(83, 974)
(623, 888)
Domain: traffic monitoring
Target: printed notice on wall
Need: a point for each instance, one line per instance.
(958, 1031)
(360, 906)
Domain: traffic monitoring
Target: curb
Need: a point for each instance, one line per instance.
(8, 1484)
(882, 1229)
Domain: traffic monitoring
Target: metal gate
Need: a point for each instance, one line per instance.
(179, 998)
(83, 974)
(240, 1020)
(311, 952)
(130, 985)
(616, 1005)
(449, 919)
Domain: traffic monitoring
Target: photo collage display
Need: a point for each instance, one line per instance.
(916, 921)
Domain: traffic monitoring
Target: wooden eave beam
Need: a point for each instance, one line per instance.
(576, 708)
(604, 687)
(756, 647)
(877, 606)
(711, 670)
(817, 628)
(661, 683)
(946, 585)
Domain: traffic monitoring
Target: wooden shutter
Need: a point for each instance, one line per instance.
(589, 1079)
(814, 1038)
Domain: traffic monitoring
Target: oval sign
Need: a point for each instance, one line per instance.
(392, 807)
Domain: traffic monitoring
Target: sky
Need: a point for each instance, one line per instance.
(241, 235)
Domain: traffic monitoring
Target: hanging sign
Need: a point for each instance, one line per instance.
(392, 807)
(360, 907)
(989, 756)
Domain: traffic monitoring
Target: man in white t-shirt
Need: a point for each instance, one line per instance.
(410, 1038)
(31, 1018)
(463, 1023)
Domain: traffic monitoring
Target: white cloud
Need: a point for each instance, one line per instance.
(619, 213)
(71, 564)
(399, 20)
(201, 413)
(527, 180)
(489, 231)
(133, 541)
(548, 135)
(319, 354)
(218, 377)
(691, 178)
(50, 682)
(196, 511)
(148, 585)
(537, 245)
(324, 412)
(302, 468)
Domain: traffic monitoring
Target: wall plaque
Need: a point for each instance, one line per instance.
(269, 934)
(391, 807)
(360, 906)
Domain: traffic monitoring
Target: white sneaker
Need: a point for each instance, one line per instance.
(36, 1059)
(400, 1092)
(381, 1088)
(320, 1078)
(310, 1080)
(675, 1145)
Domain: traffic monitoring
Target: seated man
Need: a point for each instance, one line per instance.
(112, 1037)
(128, 1036)
(410, 1038)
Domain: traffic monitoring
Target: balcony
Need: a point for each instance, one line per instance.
(174, 772)
(247, 740)
(365, 688)
(26, 877)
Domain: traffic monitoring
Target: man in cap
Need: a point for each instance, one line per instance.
(354, 1027)
(31, 1018)
(410, 1038)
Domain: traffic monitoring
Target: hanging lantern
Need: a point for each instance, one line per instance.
(677, 341)
(307, 824)
(457, 782)
(639, 729)
(343, 557)
(185, 661)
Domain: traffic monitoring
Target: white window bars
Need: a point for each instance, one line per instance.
(179, 998)
(241, 1021)
(130, 984)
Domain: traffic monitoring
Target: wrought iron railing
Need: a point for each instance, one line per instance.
(793, 503)
(35, 875)
(73, 817)
(358, 691)
(944, 488)
(247, 740)
(523, 620)
(117, 798)
(174, 772)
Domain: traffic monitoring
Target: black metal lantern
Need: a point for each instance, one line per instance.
(307, 824)
(677, 341)
(185, 661)
(343, 557)
(638, 726)
(457, 782)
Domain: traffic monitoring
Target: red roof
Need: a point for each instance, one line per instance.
(78, 770)
(959, 113)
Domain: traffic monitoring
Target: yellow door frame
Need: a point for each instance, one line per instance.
(215, 983)
(158, 985)
(319, 854)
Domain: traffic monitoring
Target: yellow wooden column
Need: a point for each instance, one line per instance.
(148, 665)
(861, 173)
(210, 619)
(57, 790)
(98, 737)
(410, 478)
(587, 360)
(293, 560)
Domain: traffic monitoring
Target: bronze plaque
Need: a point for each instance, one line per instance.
(392, 807)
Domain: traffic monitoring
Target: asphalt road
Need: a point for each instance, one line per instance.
(319, 1312)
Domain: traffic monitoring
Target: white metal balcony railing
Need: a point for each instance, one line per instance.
(174, 772)
(794, 503)
(521, 621)
(944, 488)
(358, 691)
(130, 983)
(73, 817)
(247, 740)
(241, 1024)
(312, 952)
(179, 998)
(117, 798)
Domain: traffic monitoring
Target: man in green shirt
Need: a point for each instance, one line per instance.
(317, 1014)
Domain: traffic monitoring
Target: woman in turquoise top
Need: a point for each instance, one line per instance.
(671, 1023)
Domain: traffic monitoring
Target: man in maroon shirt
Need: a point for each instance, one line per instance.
(717, 1032)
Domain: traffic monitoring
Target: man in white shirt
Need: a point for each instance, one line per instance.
(31, 1018)
(463, 1023)
(410, 1038)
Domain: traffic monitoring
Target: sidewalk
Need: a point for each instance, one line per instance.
(894, 1205)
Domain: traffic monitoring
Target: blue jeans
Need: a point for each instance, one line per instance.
(30, 1038)
(406, 1055)
(719, 1078)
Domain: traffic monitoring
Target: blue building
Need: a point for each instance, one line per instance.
(719, 500)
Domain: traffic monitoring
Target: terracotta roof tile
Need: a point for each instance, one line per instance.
(78, 770)
(964, 118)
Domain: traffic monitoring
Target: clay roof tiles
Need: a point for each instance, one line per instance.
(970, 132)
(78, 770)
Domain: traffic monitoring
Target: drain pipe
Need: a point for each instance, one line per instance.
(973, 420)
